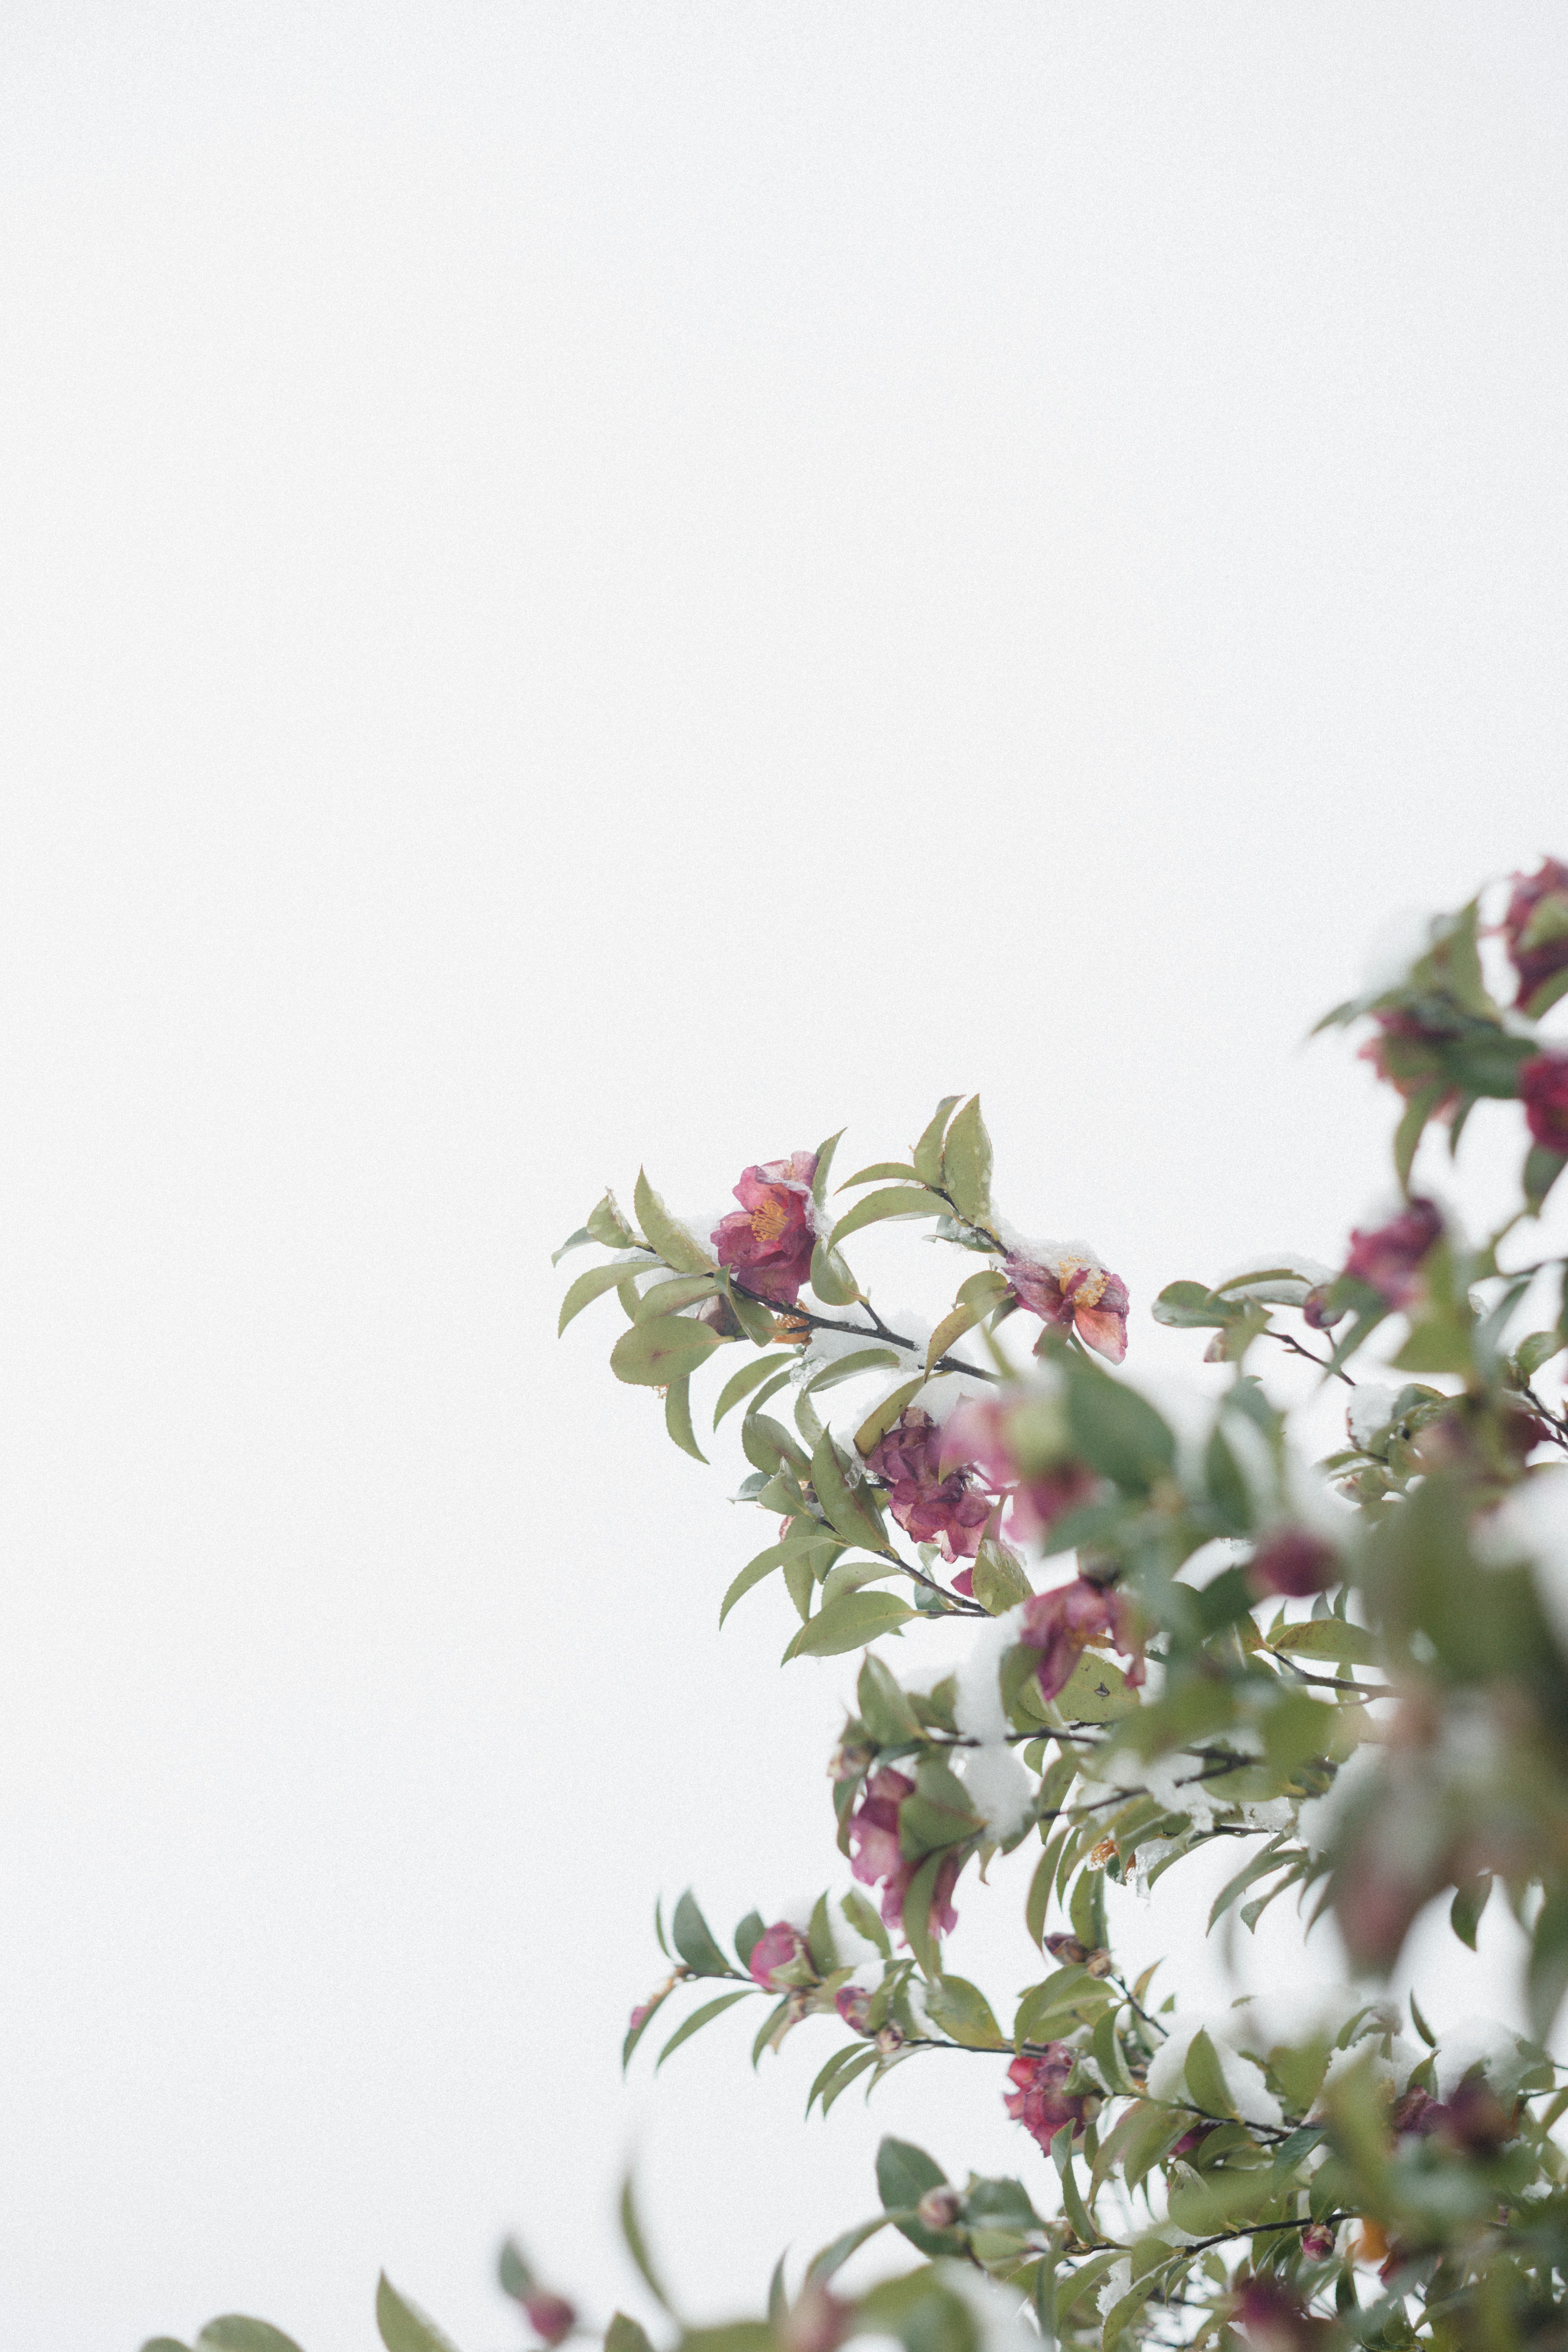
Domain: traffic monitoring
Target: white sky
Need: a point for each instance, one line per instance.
(586, 583)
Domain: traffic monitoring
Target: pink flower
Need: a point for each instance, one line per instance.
(1317, 2242)
(550, 2316)
(1292, 1563)
(1278, 2320)
(876, 1856)
(1061, 1624)
(854, 2005)
(1388, 1259)
(1536, 926)
(778, 1947)
(1074, 1291)
(1042, 1490)
(1041, 2103)
(1405, 1052)
(1544, 1091)
(767, 1241)
(950, 1511)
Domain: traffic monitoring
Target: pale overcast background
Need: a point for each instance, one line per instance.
(592, 582)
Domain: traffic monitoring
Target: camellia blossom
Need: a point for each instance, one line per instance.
(1544, 1091)
(1073, 1292)
(779, 1946)
(768, 1241)
(1535, 926)
(1276, 2320)
(1388, 1259)
(952, 1511)
(853, 2003)
(876, 1856)
(1292, 1562)
(1062, 1624)
(1041, 2101)
(550, 2316)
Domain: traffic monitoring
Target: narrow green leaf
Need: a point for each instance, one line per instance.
(1206, 2085)
(626, 2335)
(849, 1511)
(1412, 1127)
(833, 2257)
(1419, 2022)
(634, 2033)
(1541, 1169)
(966, 1164)
(1465, 1911)
(675, 1245)
(1547, 995)
(850, 1367)
(579, 1239)
(403, 2327)
(677, 1418)
(824, 1168)
(831, 1279)
(743, 1382)
(698, 2019)
(753, 1573)
(636, 2246)
(917, 1914)
(651, 1355)
(860, 2063)
(927, 1153)
(952, 1327)
(882, 1171)
(1328, 1637)
(668, 1297)
(695, 1941)
(877, 1422)
(591, 1285)
(896, 1200)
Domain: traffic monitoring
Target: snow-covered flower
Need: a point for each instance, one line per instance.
(1062, 1624)
(1041, 2101)
(768, 1241)
(778, 1957)
(1535, 926)
(1544, 1091)
(951, 1510)
(1388, 1259)
(877, 1855)
(1069, 1288)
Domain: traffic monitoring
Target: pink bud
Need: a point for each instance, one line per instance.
(853, 2004)
(781, 1947)
(1292, 1563)
(1544, 1091)
(550, 2316)
(939, 2208)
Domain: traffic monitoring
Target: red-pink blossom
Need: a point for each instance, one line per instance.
(1544, 1091)
(876, 1856)
(1061, 1624)
(1074, 1291)
(853, 2003)
(1276, 2320)
(1317, 2242)
(1538, 911)
(952, 1511)
(767, 1241)
(1041, 2101)
(1292, 1562)
(1388, 1259)
(779, 1946)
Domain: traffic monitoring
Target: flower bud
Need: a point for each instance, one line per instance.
(853, 2004)
(1316, 1311)
(816, 2323)
(1291, 1563)
(939, 2208)
(550, 2316)
(889, 2038)
(1317, 2242)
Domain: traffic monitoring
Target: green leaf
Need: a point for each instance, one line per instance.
(579, 1239)
(831, 1279)
(882, 1172)
(953, 1325)
(1465, 1911)
(966, 1164)
(904, 2173)
(512, 2271)
(895, 1201)
(606, 1224)
(1419, 2022)
(651, 1355)
(624, 2334)
(1206, 2085)
(636, 2246)
(634, 2033)
(669, 1296)
(1412, 1127)
(591, 1285)
(695, 1940)
(861, 2060)
(1193, 1307)
(675, 1245)
(743, 1382)
(164, 2343)
(850, 1367)
(833, 2257)
(403, 2327)
(1546, 995)
(1547, 1976)
(865, 1921)
(1541, 1169)
(1328, 1637)
(927, 1153)
(964, 2013)
(824, 1168)
(885, 1710)
(917, 1912)
(849, 1511)
(1537, 1349)
(877, 1422)
(677, 1418)
(234, 2333)
(1118, 1431)
(847, 1623)
(753, 1573)
(754, 1317)
(1258, 1867)
(698, 2019)
(998, 1577)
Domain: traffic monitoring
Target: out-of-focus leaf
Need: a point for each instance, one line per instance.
(636, 2245)
(234, 2333)
(1537, 1349)
(1328, 1637)
(848, 1624)
(904, 2173)
(833, 2256)
(1547, 1975)
(998, 1577)
(403, 2327)
(698, 2019)
(626, 2335)
(1206, 2085)
(669, 1238)
(1192, 1305)
(1541, 1169)
(1118, 1431)
(894, 1200)
(512, 2271)
(695, 1941)
(164, 2343)
(651, 1355)
(966, 1164)
(885, 1710)
(865, 1921)
(1544, 998)
(1465, 1911)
